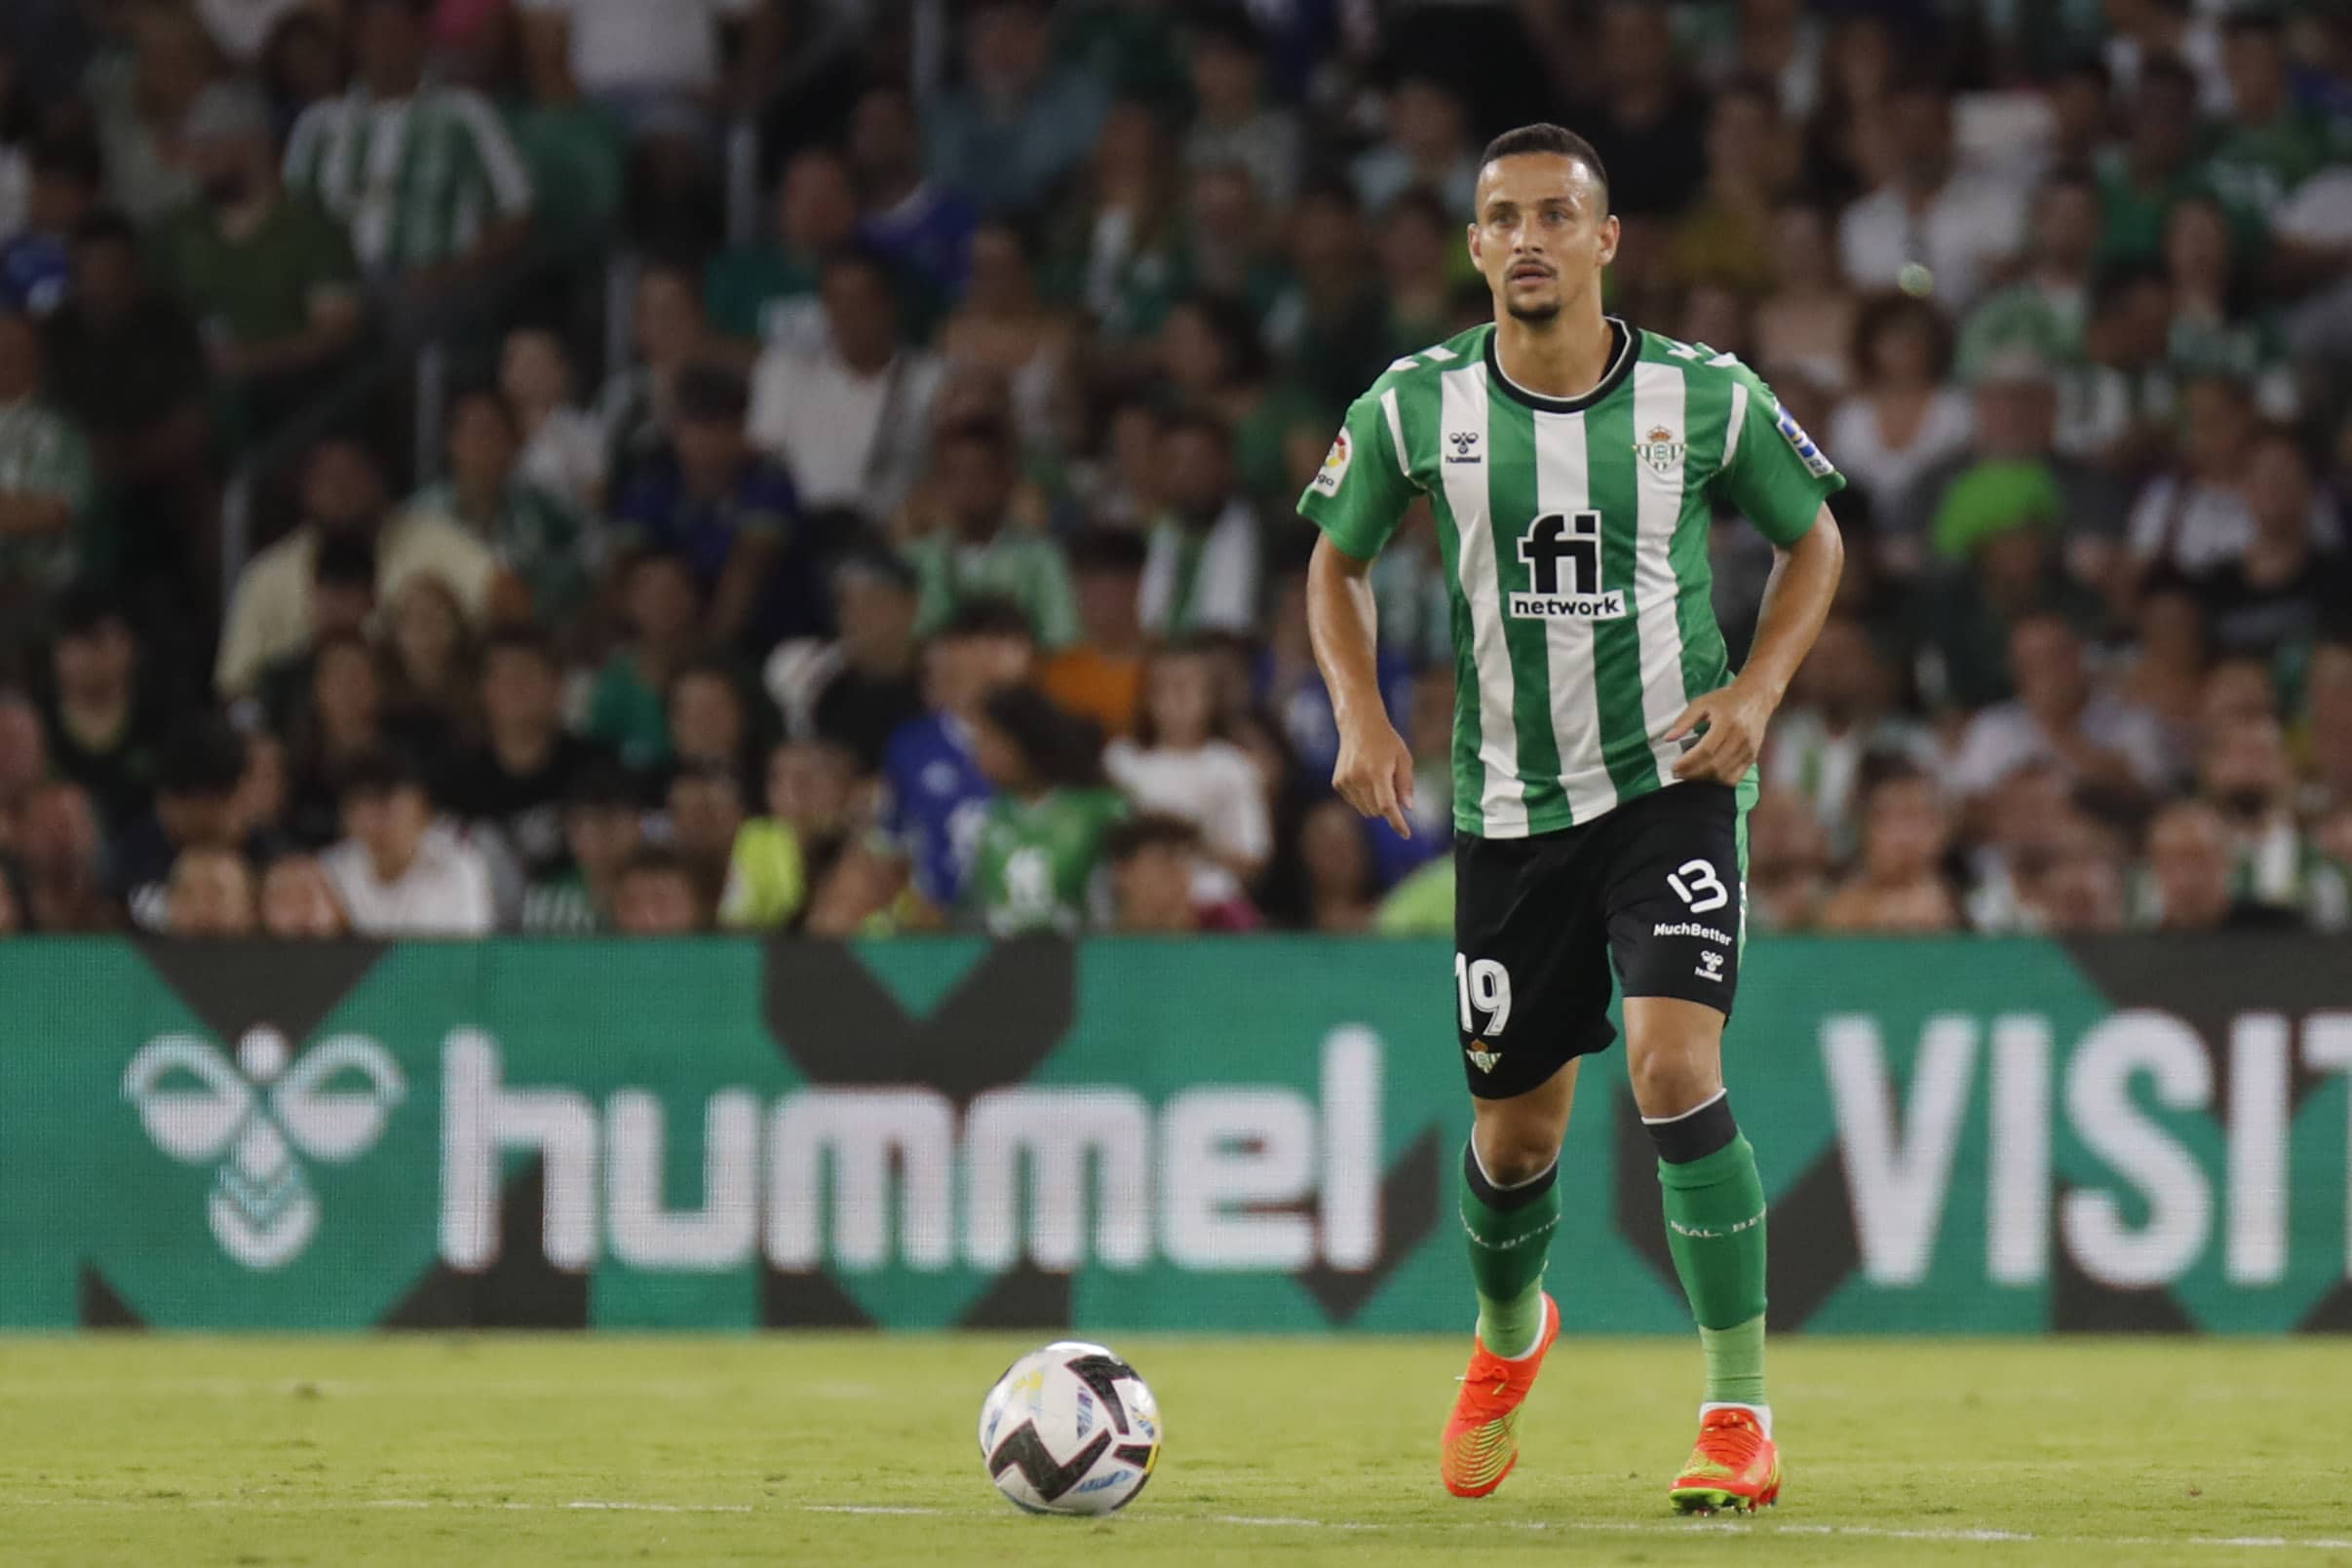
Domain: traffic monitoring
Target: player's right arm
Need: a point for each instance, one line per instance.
(1358, 500)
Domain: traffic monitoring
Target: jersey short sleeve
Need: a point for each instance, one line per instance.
(1773, 472)
(1360, 493)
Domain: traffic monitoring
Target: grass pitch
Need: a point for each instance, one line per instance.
(830, 1449)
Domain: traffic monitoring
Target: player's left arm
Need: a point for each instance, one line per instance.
(1781, 481)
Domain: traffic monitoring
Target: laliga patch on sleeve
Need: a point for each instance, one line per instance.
(1334, 466)
(1816, 461)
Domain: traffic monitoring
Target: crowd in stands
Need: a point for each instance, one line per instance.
(925, 556)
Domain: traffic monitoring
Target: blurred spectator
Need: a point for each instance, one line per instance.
(1155, 864)
(59, 849)
(706, 815)
(46, 482)
(1898, 885)
(924, 227)
(2329, 701)
(342, 603)
(104, 713)
(845, 415)
(603, 828)
(139, 95)
(267, 276)
(432, 698)
(1211, 353)
(857, 691)
(766, 295)
(1116, 244)
(661, 73)
(1201, 573)
(564, 447)
(628, 700)
(198, 771)
(2002, 519)
(731, 515)
(2059, 717)
(240, 28)
(424, 177)
(36, 263)
(2270, 144)
(270, 615)
(2166, 675)
(1015, 127)
(1233, 123)
(1726, 235)
(1004, 325)
(518, 782)
(1331, 324)
(1040, 846)
(1788, 863)
(211, 895)
(1183, 762)
(1807, 321)
(2156, 166)
(710, 720)
(24, 754)
(1417, 244)
(1841, 716)
(935, 795)
(2212, 331)
(1648, 123)
(1229, 247)
(1929, 224)
(808, 796)
(638, 404)
(542, 542)
(2286, 587)
(302, 63)
(2244, 774)
(1902, 419)
(1427, 147)
(20, 123)
(2048, 310)
(2191, 881)
(2155, 35)
(2195, 518)
(1420, 905)
(976, 549)
(655, 896)
(298, 903)
(1331, 889)
(396, 872)
(339, 725)
(1101, 676)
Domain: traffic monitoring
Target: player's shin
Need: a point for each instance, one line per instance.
(1510, 1231)
(1715, 1228)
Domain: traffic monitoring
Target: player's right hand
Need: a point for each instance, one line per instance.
(1375, 773)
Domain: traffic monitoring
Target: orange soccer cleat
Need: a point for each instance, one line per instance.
(1481, 1439)
(1735, 1465)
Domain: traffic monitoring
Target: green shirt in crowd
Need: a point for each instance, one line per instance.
(43, 455)
(260, 288)
(625, 712)
(1027, 569)
(535, 535)
(1034, 867)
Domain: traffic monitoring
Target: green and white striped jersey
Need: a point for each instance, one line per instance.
(1575, 535)
(414, 179)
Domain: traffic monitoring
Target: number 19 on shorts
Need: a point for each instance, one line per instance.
(1481, 987)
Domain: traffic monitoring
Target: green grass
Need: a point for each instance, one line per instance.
(1289, 1452)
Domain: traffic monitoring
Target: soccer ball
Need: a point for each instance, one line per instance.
(1070, 1429)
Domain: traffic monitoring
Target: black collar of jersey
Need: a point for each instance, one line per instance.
(1621, 365)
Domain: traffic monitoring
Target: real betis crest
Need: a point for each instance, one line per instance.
(1661, 450)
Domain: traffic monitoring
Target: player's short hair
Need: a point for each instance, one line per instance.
(1546, 138)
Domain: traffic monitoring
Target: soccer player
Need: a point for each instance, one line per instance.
(1603, 757)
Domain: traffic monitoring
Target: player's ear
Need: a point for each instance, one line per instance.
(1610, 231)
(1472, 231)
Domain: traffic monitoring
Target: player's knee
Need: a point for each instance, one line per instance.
(1667, 1081)
(1511, 1154)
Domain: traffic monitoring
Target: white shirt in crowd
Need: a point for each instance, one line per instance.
(445, 892)
(638, 45)
(567, 457)
(2196, 527)
(2007, 737)
(241, 27)
(1884, 473)
(1223, 591)
(1967, 228)
(1216, 788)
(850, 439)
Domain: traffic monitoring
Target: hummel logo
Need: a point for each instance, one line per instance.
(1465, 446)
(1711, 967)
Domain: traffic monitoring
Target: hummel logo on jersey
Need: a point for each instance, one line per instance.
(1660, 451)
(1690, 928)
(1571, 540)
(1480, 1056)
(1711, 967)
(1465, 444)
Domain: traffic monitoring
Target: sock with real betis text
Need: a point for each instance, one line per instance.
(1715, 1229)
(1510, 1231)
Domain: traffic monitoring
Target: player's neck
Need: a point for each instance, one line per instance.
(1565, 357)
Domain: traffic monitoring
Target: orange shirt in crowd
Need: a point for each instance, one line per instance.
(1103, 686)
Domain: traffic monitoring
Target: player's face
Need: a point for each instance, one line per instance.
(1543, 233)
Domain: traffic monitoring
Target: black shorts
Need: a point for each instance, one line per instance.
(1655, 884)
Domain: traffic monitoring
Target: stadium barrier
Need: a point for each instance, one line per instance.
(1264, 1133)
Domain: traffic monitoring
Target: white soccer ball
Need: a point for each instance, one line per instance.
(1070, 1429)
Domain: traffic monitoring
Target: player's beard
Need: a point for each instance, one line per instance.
(1549, 311)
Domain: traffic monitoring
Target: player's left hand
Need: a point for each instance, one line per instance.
(1735, 716)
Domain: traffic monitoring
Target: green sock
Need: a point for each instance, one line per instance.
(1715, 1228)
(1510, 1232)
